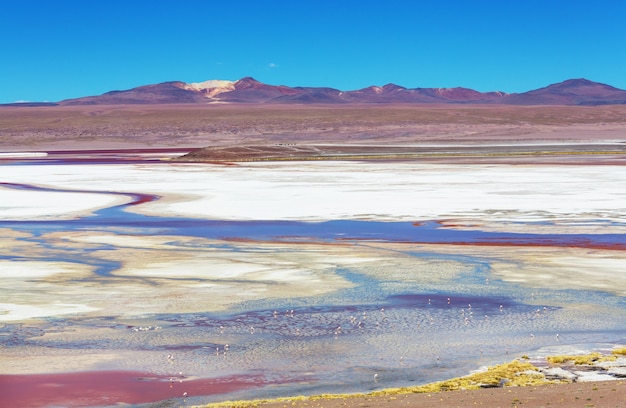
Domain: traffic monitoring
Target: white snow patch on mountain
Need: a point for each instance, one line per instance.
(212, 87)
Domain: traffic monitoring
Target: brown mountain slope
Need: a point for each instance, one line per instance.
(570, 92)
(166, 92)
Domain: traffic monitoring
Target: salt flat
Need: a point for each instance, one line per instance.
(522, 253)
(330, 190)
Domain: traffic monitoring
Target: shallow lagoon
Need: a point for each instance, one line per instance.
(306, 277)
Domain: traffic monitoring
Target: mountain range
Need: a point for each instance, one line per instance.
(248, 90)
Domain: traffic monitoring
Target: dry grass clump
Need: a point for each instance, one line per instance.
(256, 403)
(619, 351)
(514, 374)
(587, 359)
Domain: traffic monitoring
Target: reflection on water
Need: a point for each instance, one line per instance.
(407, 321)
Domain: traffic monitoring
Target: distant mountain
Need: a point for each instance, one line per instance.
(570, 92)
(392, 93)
(166, 92)
(249, 90)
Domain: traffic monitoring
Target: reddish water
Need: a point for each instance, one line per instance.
(95, 388)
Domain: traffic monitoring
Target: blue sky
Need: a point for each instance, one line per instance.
(57, 49)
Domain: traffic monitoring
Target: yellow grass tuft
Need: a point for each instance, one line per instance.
(619, 351)
(515, 373)
(587, 359)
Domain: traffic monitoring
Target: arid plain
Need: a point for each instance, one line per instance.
(311, 249)
(101, 126)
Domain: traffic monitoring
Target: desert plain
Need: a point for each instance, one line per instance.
(307, 250)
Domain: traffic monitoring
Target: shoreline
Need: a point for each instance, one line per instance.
(565, 395)
(558, 381)
(478, 152)
(601, 152)
(519, 382)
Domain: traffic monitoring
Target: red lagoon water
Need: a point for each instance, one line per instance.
(96, 388)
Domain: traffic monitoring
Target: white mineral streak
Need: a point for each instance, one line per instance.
(211, 88)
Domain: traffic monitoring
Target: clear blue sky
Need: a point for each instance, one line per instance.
(57, 49)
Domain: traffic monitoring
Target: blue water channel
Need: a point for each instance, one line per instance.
(430, 232)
